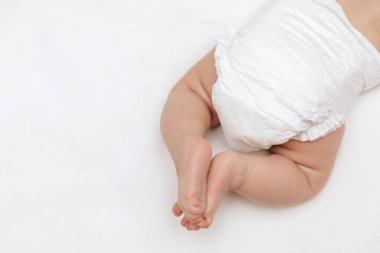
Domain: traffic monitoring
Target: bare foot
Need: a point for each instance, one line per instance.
(192, 166)
(226, 173)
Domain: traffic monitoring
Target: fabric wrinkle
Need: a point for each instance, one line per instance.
(292, 75)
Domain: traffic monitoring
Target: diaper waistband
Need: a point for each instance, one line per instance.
(371, 72)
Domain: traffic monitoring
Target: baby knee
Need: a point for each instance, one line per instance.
(316, 179)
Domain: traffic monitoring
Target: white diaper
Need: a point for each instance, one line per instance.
(291, 74)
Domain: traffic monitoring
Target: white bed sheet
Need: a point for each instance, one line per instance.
(82, 164)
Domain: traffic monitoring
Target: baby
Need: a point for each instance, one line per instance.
(282, 82)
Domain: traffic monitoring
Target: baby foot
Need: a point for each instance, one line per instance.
(192, 169)
(225, 174)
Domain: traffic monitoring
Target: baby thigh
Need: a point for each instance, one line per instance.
(315, 158)
(291, 173)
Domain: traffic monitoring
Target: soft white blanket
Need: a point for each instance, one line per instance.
(82, 164)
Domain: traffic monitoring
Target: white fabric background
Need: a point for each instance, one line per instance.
(82, 164)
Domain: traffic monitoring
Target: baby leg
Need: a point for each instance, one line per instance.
(292, 173)
(187, 116)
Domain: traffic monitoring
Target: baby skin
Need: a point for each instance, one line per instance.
(291, 173)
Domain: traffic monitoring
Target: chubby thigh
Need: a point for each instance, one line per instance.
(319, 154)
(200, 79)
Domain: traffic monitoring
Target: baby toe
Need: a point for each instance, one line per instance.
(176, 210)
